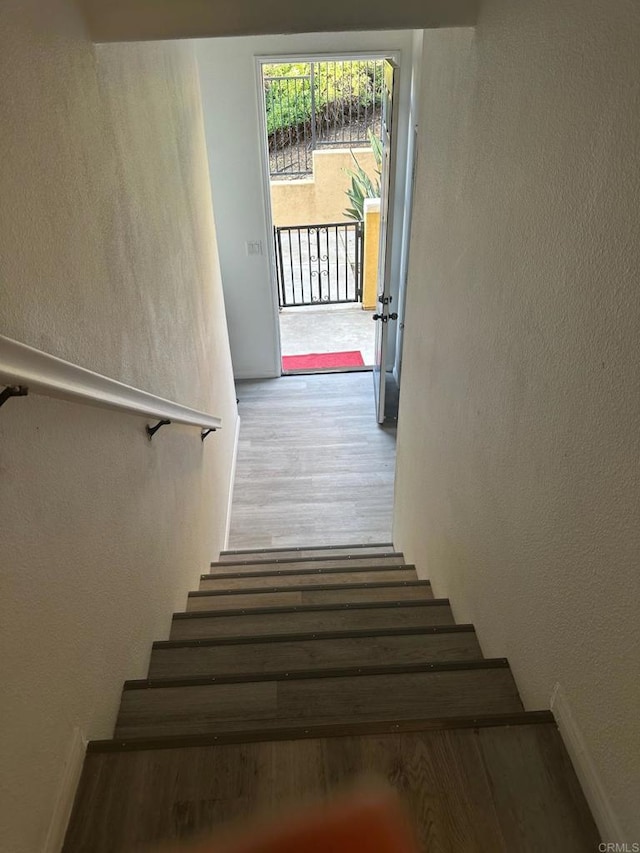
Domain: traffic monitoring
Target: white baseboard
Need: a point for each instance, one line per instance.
(69, 779)
(232, 480)
(603, 814)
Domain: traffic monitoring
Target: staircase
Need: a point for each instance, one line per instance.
(294, 671)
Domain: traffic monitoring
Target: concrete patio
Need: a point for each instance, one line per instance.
(327, 328)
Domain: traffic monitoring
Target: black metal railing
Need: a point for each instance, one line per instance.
(332, 104)
(319, 264)
(290, 103)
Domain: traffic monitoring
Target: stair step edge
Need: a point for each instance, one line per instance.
(334, 570)
(307, 674)
(203, 593)
(314, 635)
(277, 560)
(519, 718)
(310, 608)
(295, 548)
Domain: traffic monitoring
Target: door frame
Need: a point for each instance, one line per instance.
(398, 236)
(384, 305)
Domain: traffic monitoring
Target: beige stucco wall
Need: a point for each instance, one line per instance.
(107, 258)
(518, 487)
(319, 199)
(371, 253)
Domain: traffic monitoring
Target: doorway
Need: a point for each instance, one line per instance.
(322, 122)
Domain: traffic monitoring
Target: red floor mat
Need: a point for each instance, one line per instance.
(320, 360)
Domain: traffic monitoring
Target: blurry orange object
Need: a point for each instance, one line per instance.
(361, 823)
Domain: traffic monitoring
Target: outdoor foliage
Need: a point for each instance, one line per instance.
(342, 90)
(362, 185)
(288, 106)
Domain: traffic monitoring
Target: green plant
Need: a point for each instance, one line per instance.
(289, 106)
(362, 185)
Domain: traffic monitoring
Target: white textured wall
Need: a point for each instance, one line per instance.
(230, 101)
(107, 258)
(518, 486)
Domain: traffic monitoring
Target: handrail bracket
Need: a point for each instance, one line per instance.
(205, 432)
(151, 431)
(13, 391)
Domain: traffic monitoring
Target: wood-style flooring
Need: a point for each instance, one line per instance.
(508, 789)
(305, 651)
(262, 700)
(403, 692)
(311, 618)
(314, 467)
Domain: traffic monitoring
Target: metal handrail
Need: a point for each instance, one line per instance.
(24, 369)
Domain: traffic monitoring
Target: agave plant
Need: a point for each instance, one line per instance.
(362, 186)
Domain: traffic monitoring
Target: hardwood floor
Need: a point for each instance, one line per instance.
(313, 468)
(327, 594)
(485, 790)
(310, 577)
(302, 564)
(310, 617)
(402, 692)
(252, 710)
(307, 651)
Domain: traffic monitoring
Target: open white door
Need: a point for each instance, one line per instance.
(385, 315)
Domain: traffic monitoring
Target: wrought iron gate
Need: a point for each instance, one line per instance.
(331, 104)
(319, 264)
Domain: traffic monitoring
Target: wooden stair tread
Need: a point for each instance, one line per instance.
(306, 551)
(482, 687)
(359, 649)
(499, 784)
(281, 577)
(318, 672)
(311, 617)
(320, 594)
(296, 670)
(324, 730)
(312, 608)
(322, 583)
(344, 562)
(374, 631)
